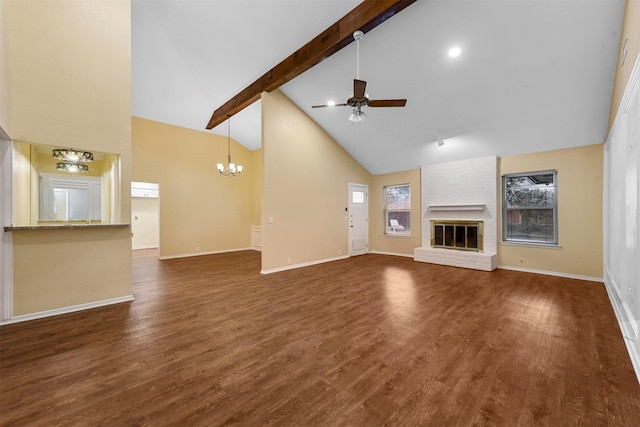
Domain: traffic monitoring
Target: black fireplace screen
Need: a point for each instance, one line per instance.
(462, 235)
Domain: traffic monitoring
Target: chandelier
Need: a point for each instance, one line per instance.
(231, 169)
(72, 161)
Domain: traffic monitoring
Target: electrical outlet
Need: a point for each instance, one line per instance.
(289, 261)
(197, 248)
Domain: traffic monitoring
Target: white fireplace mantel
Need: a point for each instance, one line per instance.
(457, 207)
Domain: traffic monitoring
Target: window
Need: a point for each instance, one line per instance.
(70, 198)
(529, 207)
(397, 209)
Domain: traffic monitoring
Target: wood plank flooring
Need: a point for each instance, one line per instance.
(368, 341)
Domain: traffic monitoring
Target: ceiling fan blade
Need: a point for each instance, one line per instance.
(359, 87)
(387, 103)
(327, 105)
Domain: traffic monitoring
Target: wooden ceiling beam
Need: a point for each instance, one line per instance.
(366, 16)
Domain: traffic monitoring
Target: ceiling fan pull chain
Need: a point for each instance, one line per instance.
(358, 145)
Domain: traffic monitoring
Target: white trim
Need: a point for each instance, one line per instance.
(614, 291)
(633, 82)
(391, 253)
(145, 247)
(66, 310)
(205, 253)
(304, 264)
(6, 239)
(530, 244)
(464, 207)
(553, 273)
(624, 327)
(256, 237)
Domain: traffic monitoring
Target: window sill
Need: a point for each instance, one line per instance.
(532, 245)
(394, 235)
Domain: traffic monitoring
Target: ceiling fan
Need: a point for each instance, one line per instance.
(360, 98)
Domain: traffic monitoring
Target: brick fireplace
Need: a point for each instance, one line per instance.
(459, 214)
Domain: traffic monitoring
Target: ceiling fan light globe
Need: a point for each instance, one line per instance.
(357, 116)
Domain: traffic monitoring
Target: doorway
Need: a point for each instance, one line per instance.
(358, 219)
(145, 215)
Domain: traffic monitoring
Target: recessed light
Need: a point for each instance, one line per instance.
(331, 103)
(454, 52)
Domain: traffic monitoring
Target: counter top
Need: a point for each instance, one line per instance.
(62, 226)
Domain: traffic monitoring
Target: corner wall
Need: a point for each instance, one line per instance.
(68, 70)
(306, 177)
(386, 243)
(200, 210)
(579, 213)
(631, 32)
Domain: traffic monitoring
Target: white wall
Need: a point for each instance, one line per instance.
(621, 216)
(6, 240)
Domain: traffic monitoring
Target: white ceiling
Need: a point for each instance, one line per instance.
(534, 75)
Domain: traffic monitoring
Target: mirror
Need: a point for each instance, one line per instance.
(47, 192)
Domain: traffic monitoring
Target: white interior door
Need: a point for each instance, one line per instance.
(358, 219)
(145, 215)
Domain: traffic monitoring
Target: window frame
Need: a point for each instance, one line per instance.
(555, 241)
(386, 211)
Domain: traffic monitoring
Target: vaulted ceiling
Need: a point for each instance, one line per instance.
(532, 75)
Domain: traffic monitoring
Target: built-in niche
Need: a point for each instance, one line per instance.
(45, 195)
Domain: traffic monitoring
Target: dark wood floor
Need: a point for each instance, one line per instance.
(372, 340)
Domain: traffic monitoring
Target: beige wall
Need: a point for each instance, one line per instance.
(69, 84)
(4, 92)
(257, 164)
(630, 31)
(579, 212)
(200, 211)
(379, 241)
(63, 268)
(306, 178)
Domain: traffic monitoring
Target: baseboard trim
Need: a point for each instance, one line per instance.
(304, 264)
(66, 310)
(144, 247)
(206, 253)
(634, 356)
(391, 253)
(553, 273)
(620, 314)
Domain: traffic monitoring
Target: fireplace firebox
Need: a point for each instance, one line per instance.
(456, 234)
